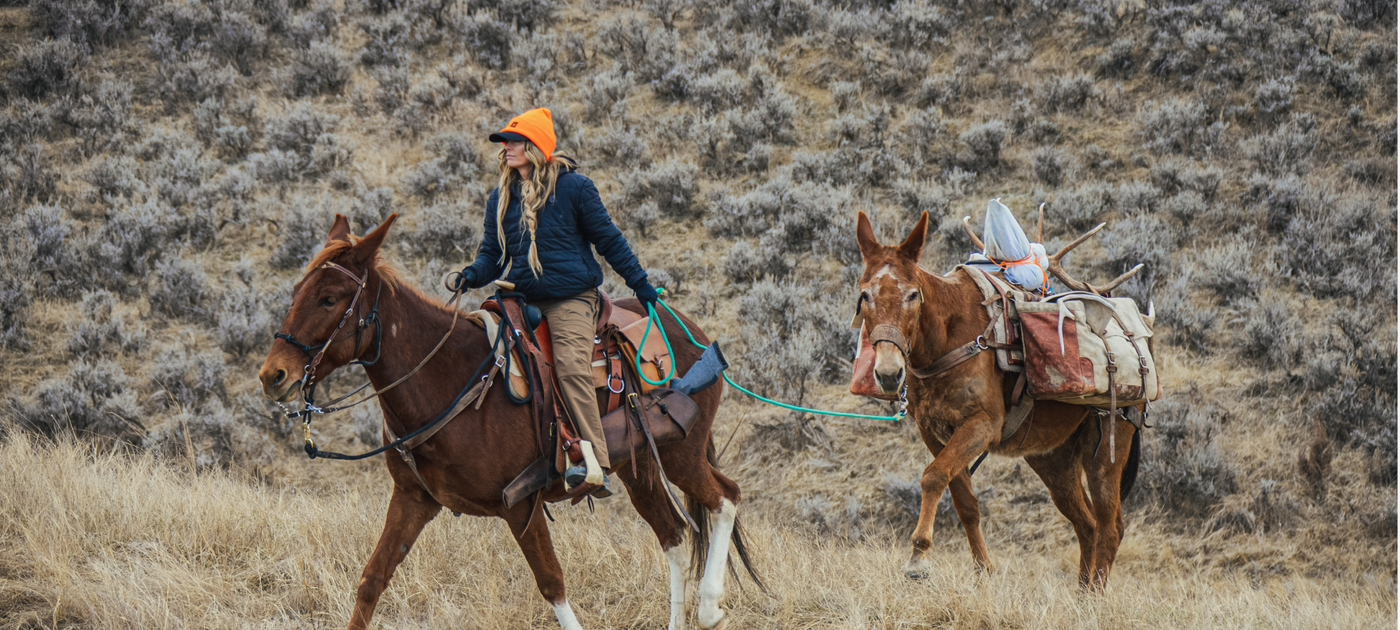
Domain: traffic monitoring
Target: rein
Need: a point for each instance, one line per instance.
(308, 387)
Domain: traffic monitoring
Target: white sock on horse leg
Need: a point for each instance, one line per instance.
(565, 614)
(712, 584)
(679, 560)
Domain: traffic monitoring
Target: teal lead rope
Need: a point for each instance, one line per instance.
(655, 319)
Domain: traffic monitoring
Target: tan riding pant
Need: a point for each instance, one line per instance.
(572, 322)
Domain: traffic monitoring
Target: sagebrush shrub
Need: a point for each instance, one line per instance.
(746, 262)
(246, 310)
(240, 40)
(1183, 468)
(25, 173)
(1081, 208)
(320, 68)
(91, 398)
(1275, 96)
(303, 225)
(180, 288)
(605, 89)
(1287, 149)
(103, 329)
(204, 436)
(1118, 61)
(1174, 126)
(188, 377)
(17, 285)
(983, 141)
(1066, 93)
(671, 185)
(1331, 250)
(487, 37)
(194, 78)
(745, 214)
(447, 229)
(133, 236)
(1050, 165)
(389, 41)
(47, 67)
(317, 23)
(795, 340)
(99, 119)
(89, 21)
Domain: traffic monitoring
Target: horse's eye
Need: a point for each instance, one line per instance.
(327, 302)
(912, 296)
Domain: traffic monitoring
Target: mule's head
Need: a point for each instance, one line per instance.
(320, 301)
(891, 299)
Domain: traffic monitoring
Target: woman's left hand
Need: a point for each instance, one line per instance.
(647, 295)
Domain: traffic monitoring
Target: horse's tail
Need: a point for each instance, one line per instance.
(1130, 468)
(700, 542)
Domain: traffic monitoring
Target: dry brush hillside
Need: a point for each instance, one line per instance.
(167, 167)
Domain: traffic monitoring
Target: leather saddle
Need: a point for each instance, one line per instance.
(651, 417)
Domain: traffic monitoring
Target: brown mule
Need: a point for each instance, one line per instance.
(960, 412)
(468, 463)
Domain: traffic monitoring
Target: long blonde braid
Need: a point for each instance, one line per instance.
(534, 192)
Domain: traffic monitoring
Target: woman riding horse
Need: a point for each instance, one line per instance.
(542, 223)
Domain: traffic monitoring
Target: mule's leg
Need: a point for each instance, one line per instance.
(1103, 478)
(539, 554)
(409, 511)
(1061, 474)
(654, 506)
(966, 443)
(970, 513)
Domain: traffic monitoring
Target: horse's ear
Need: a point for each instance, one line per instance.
(913, 245)
(340, 230)
(369, 245)
(865, 236)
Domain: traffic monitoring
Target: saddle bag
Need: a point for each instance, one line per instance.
(1084, 349)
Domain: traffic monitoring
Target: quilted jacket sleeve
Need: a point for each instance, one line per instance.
(487, 266)
(599, 229)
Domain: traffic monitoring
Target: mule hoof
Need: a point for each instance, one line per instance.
(917, 576)
(917, 568)
(721, 624)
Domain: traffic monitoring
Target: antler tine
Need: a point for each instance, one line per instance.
(970, 234)
(1119, 280)
(1040, 224)
(1057, 270)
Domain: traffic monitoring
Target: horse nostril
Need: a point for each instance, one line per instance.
(899, 378)
(279, 377)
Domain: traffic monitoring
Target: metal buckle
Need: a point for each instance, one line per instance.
(620, 387)
(500, 360)
(632, 400)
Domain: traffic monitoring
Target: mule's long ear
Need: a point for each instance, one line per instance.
(914, 244)
(340, 230)
(865, 236)
(368, 246)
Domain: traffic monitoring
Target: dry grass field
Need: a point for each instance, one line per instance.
(100, 540)
(168, 166)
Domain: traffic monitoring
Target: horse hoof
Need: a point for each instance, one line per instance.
(721, 624)
(917, 576)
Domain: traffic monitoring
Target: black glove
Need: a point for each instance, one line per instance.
(647, 295)
(463, 280)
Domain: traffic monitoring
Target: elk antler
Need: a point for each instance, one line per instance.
(1059, 271)
(1040, 225)
(975, 241)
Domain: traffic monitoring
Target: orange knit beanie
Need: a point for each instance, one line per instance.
(536, 125)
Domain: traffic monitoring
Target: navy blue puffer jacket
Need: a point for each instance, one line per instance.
(572, 222)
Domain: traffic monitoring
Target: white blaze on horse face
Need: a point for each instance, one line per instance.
(565, 614)
(679, 560)
(712, 584)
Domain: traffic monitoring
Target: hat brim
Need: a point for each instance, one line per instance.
(507, 136)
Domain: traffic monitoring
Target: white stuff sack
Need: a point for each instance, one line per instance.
(1006, 242)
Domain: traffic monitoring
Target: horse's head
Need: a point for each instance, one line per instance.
(331, 300)
(891, 298)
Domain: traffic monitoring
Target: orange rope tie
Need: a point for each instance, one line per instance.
(1028, 260)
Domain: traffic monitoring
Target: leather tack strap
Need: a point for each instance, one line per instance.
(957, 356)
(891, 334)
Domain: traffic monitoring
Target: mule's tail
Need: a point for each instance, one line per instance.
(700, 542)
(1130, 468)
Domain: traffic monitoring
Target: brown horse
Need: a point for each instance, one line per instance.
(468, 463)
(960, 412)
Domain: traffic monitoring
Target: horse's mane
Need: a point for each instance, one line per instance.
(388, 273)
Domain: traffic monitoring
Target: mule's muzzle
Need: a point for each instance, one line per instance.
(889, 368)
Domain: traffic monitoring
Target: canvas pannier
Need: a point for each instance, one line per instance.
(1077, 343)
